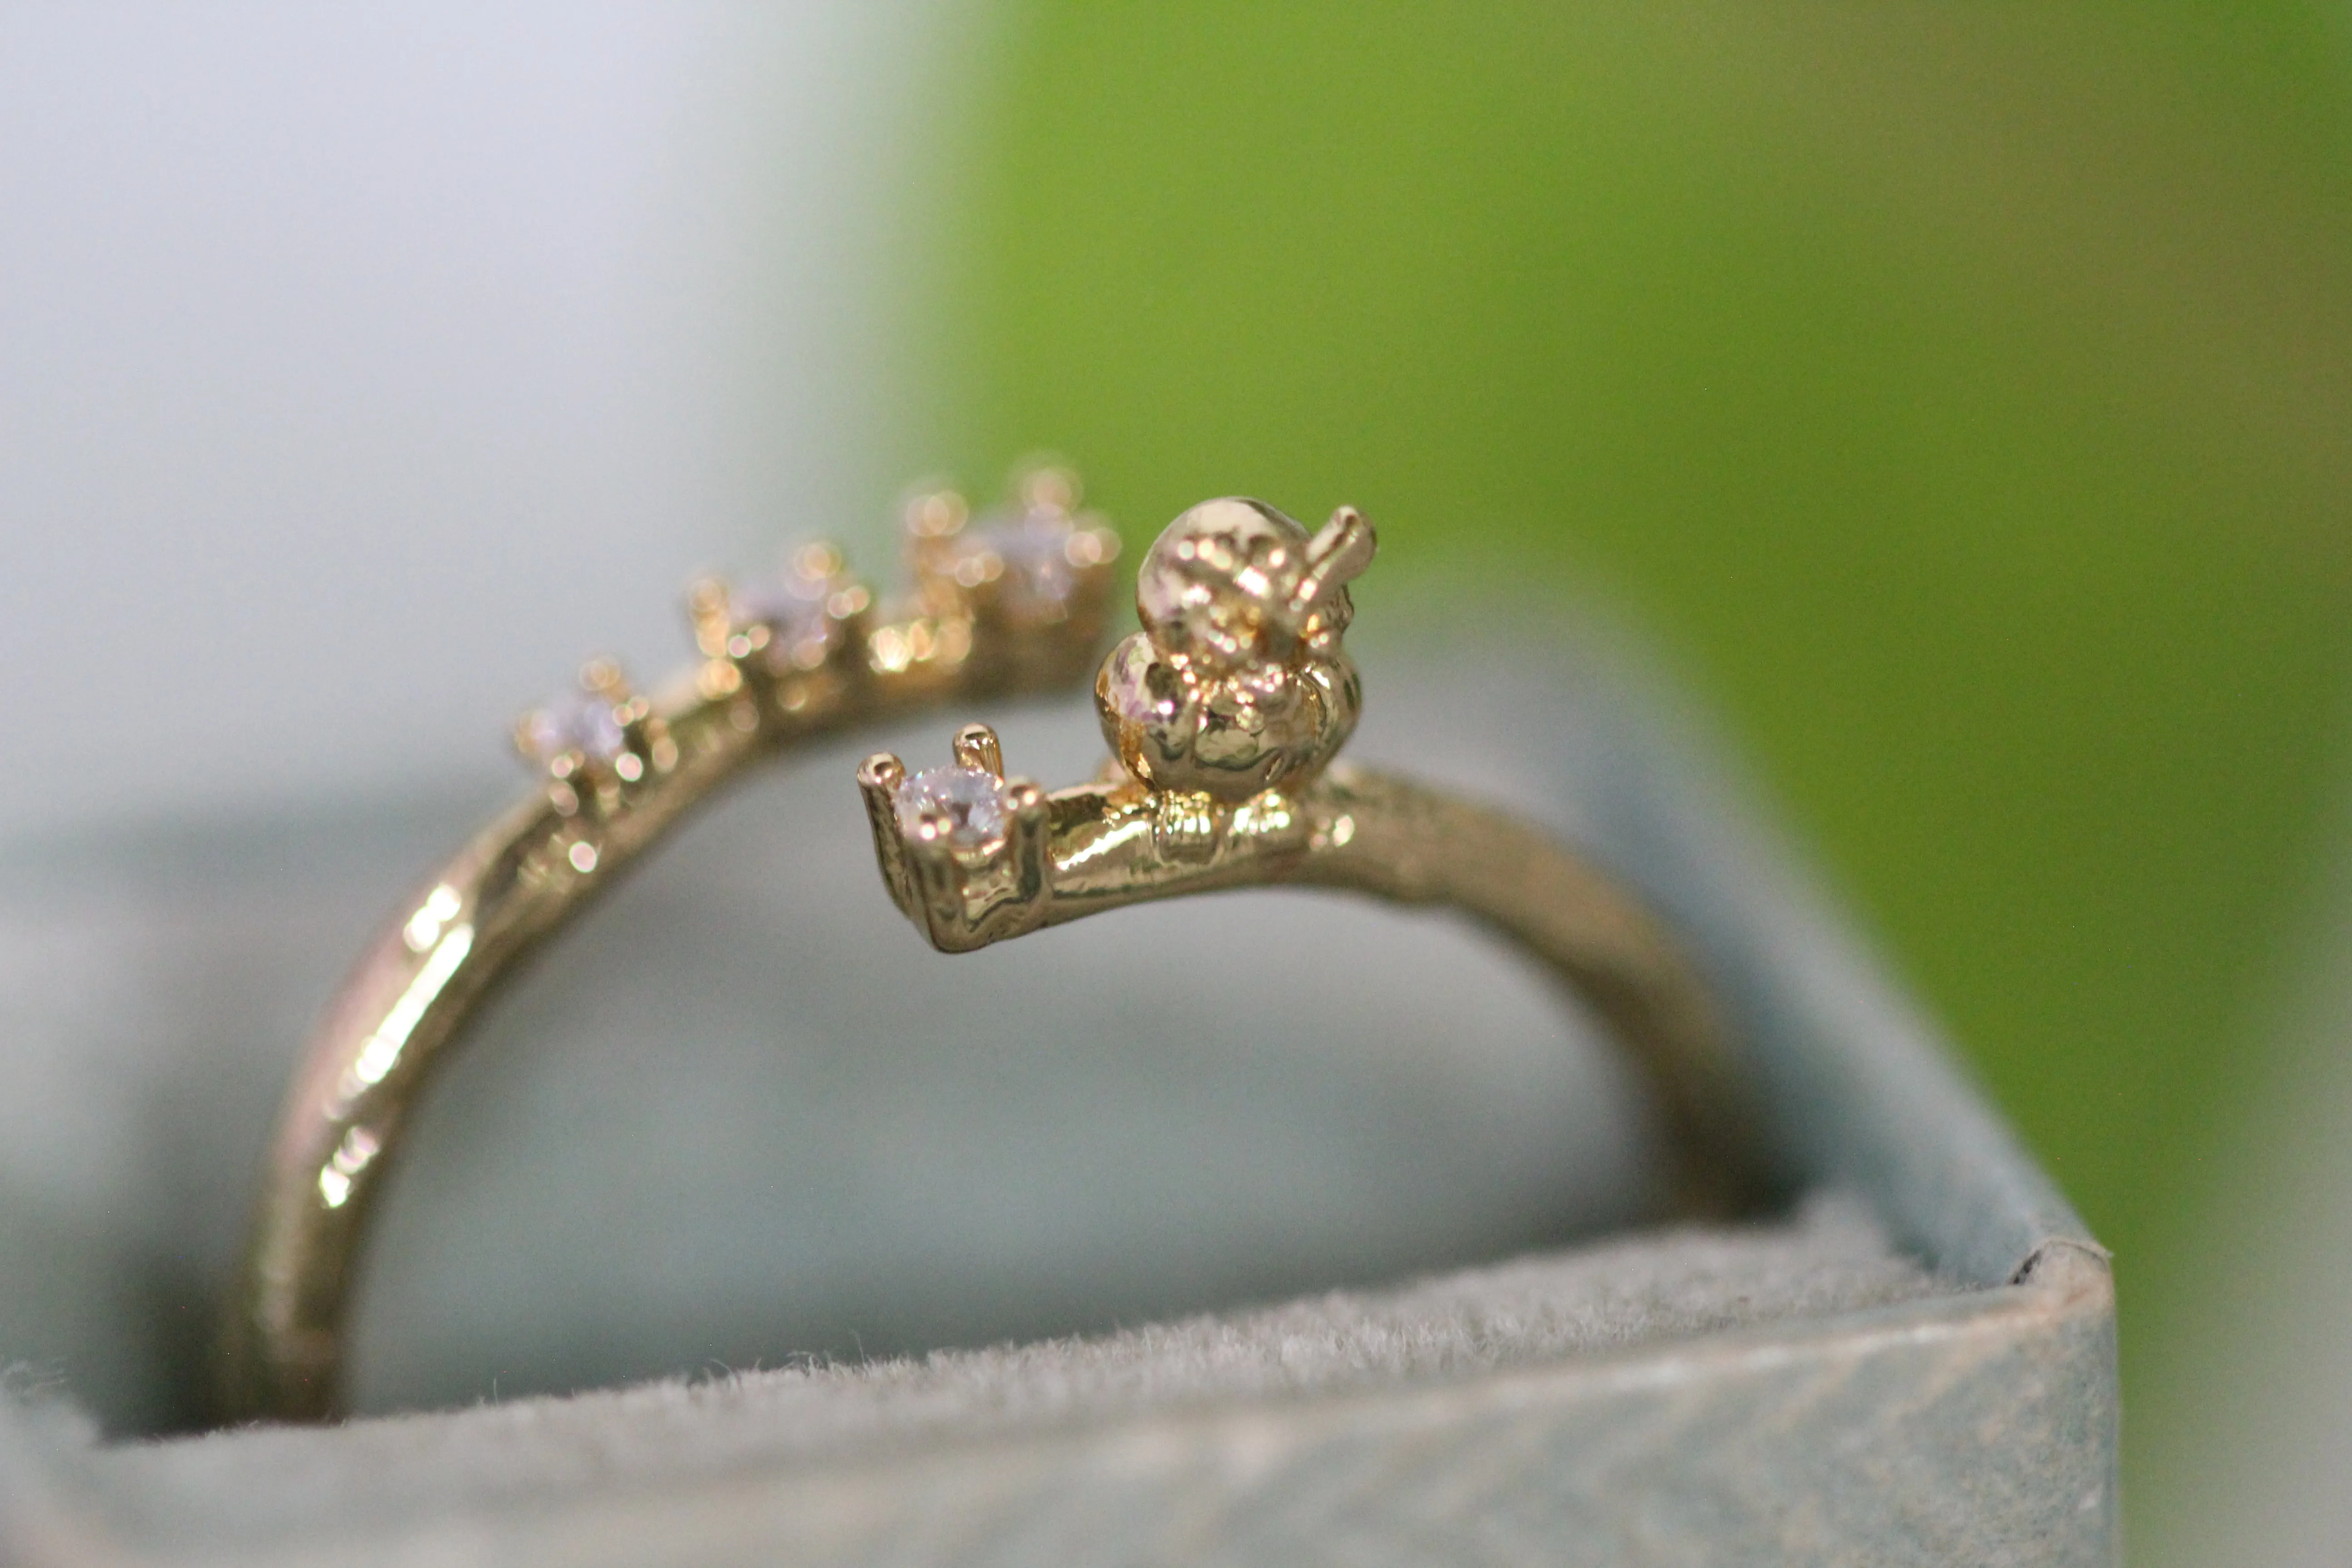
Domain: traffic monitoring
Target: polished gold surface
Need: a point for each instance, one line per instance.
(1010, 604)
(1224, 716)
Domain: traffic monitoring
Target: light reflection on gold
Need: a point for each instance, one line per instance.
(381, 1049)
(1114, 838)
(350, 1157)
(423, 928)
(719, 678)
(1230, 784)
(1226, 714)
(526, 876)
(892, 652)
(953, 641)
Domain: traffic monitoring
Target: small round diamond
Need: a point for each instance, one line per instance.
(794, 606)
(971, 799)
(576, 721)
(1033, 550)
(793, 609)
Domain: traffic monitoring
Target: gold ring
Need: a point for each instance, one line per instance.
(1224, 715)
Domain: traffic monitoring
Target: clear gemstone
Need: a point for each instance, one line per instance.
(1035, 549)
(793, 606)
(576, 721)
(971, 799)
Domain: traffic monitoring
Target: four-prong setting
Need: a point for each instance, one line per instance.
(785, 645)
(1031, 580)
(1223, 717)
(963, 849)
(1011, 603)
(597, 742)
(1223, 714)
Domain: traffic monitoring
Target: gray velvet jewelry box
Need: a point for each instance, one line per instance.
(1252, 1278)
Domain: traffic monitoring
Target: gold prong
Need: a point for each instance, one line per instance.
(601, 676)
(976, 746)
(1044, 485)
(708, 611)
(935, 890)
(879, 777)
(936, 514)
(1091, 547)
(818, 563)
(882, 772)
(1028, 831)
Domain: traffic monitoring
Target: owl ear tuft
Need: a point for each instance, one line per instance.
(1338, 552)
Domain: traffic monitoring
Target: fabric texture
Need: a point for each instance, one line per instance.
(740, 1181)
(269, 1487)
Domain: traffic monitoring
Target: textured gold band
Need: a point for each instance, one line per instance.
(1223, 714)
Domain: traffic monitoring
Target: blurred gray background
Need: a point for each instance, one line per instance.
(364, 368)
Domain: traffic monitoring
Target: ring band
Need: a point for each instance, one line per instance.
(1223, 714)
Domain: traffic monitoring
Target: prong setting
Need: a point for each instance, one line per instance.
(955, 808)
(976, 746)
(1032, 579)
(788, 654)
(788, 644)
(963, 850)
(593, 742)
(1226, 687)
(1222, 714)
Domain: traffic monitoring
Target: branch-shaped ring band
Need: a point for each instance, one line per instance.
(1224, 715)
(1009, 603)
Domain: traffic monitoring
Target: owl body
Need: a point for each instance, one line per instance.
(1236, 684)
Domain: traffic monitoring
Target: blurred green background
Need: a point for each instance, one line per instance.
(1962, 397)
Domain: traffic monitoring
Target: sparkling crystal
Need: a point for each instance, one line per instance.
(576, 721)
(1034, 551)
(793, 606)
(972, 798)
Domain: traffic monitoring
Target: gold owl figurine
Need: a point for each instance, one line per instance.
(1237, 684)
